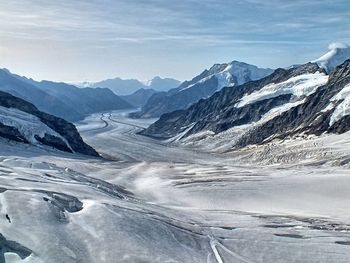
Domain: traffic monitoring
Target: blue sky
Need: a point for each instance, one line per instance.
(92, 40)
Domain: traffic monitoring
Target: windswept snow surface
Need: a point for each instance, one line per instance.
(149, 201)
(299, 86)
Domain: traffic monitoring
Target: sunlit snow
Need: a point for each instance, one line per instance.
(343, 108)
(154, 202)
(299, 86)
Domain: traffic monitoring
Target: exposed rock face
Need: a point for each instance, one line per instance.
(53, 141)
(311, 117)
(219, 112)
(67, 130)
(202, 86)
(325, 110)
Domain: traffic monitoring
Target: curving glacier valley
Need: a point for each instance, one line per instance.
(153, 201)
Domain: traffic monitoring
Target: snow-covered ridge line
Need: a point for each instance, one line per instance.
(229, 73)
(337, 54)
(299, 86)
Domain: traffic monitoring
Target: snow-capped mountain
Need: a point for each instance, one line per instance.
(230, 74)
(243, 104)
(202, 86)
(303, 99)
(123, 87)
(337, 54)
(21, 121)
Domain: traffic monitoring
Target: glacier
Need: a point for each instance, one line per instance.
(151, 201)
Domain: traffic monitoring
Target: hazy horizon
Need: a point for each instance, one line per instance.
(79, 41)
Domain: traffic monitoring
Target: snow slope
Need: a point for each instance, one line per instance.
(231, 74)
(343, 109)
(299, 86)
(337, 54)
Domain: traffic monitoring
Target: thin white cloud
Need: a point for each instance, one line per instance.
(166, 30)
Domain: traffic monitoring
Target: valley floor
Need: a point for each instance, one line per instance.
(150, 201)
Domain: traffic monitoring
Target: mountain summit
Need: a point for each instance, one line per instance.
(337, 54)
(233, 73)
(202, 86)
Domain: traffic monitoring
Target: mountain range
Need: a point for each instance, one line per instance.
(61, 99)
(313, 98)
(202, 86)
(125, 87)
(232, 104)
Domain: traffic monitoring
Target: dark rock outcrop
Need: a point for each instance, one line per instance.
(11, 133)
(13, 247)
(219, 113)
(53, 141)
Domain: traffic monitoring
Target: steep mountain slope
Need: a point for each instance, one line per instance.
(86, 100)
(128, 86)
(60, 99)
(327, 110)
(297, 101)
(21, 121)
(243, 104)
(28, 91)
(139, 97)
(202, 86)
